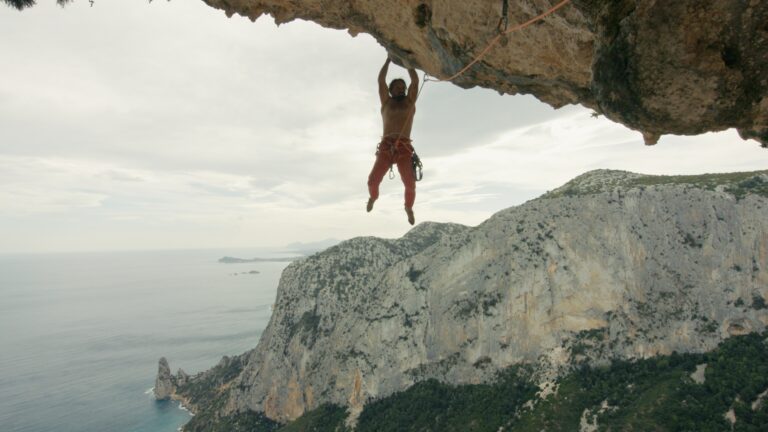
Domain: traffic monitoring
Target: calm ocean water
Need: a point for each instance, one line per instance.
(81, 334)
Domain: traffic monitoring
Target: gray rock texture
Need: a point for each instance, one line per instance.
(611, 265)
(164, 384)
(181, 377)
(682, 67)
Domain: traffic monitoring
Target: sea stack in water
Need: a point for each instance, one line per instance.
(164, 381)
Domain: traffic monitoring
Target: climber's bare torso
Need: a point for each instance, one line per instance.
(397, 106)
(398, 117)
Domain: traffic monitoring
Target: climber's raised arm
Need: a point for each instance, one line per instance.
(413, 88)
(383, 89)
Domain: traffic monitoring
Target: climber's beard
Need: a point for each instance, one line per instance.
(399, 98)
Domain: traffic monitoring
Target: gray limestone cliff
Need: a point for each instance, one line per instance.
(611, 265)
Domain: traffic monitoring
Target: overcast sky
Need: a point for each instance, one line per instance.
(130, 125)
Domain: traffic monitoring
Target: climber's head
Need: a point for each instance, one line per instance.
(397, 88)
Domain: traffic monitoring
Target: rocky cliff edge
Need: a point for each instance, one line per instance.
(613, 265)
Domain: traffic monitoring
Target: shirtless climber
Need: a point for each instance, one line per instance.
(397, 110)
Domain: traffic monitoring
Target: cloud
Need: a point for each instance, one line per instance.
(166, 125)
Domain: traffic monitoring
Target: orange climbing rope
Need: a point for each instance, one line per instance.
(490, 45)
(498, 37)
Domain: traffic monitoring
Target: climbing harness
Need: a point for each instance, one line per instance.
(394, 146)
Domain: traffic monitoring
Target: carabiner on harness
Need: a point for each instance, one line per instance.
(417, 166)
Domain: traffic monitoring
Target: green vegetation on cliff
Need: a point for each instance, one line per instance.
(326, 418)
(656, 394)
(431, 405)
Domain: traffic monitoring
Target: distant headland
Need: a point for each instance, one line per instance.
(233, 260)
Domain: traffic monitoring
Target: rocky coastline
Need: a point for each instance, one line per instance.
(612, 265)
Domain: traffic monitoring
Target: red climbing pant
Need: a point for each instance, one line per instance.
(393, 151)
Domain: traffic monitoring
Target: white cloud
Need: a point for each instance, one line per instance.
(166, 125)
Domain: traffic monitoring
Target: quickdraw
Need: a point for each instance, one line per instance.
(417, 167)
(504, 20)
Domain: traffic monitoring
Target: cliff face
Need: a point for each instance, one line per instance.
(611, 265)
(683, 67)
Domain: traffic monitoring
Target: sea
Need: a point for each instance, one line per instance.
(81, 333)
